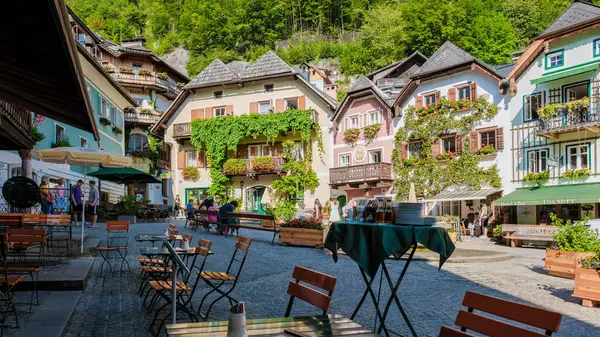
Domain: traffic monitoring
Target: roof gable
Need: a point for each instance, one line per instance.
(266, 65)
(385, 71)
(577, 13)
(447, 56)
(361, 83)
(216, 72)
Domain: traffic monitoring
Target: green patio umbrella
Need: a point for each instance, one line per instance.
(125, 175)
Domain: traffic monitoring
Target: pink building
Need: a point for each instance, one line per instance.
(363, 136)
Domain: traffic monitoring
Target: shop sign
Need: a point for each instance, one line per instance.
(166, 175)
(141, 164)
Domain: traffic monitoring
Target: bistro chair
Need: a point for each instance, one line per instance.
(117, 239)
(546, 320)
(8, 284)
(310, 295)
(146, 261)
(216, 280)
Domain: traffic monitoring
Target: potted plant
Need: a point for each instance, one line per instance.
(145, 72)
(117, 130)
(573, 241)
(497, 233)
(125, 70)
(263, 164)
(302, 232)
(587, 280)
(190, 173)
(577, 174)
(371, 131)
(162, 75)
(445, 156)
(234, 167)
(105, 121)
(539, 179)
(412, 161)
(486, 150)
(36, 135)
(63, 142)
(326, 210)
(351, 135)
(128, 208)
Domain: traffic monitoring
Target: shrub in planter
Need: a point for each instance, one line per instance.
(351, 135)
(263, 164)
(445, 156)
(573, 241)
(577, 174)
(326, 210)
(540, 179)
(63, 142)
(36, 135)
(452, 235)
(410, 161)
(302, 232)
(125, 70)
(105, 121)
(117, 130)
(587, 281)
(234, 167)
(497, 232)
(190, 173)
(371, 131)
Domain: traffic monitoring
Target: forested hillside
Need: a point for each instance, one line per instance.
(388, 30)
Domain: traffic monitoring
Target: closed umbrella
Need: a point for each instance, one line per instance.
(83, 156)
(125, 175)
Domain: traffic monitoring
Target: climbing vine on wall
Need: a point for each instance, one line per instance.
(429, 175)
(218, 135)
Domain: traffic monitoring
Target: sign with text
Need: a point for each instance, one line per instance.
(141, 164)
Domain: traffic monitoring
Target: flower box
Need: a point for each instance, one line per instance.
(302, 236)
(587, 286)
(562, 264)
(487, 156)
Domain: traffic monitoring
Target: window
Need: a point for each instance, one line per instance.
(137, 67)
(537, 160)
(113, 115)
(138, 142)
(531, 105)
(414, 150)
(103, 107)
(578, 156)
(190, 158)
(298, 151)
(218, 94)
(375, 156)
(219, 112)
(268, 87)
(596, 46)
(464, 92)
(139, 101)
(59, 133)
(555, 59)
(83, 142)
(354, 122)
(449, 144)
(373, 117)
(291, 103)
(576, 91)
(264, 107)
(344, 160)
(487, 138)
(81, 39)
(429, 99)
(105, 64)
(451, 208)
(258, 151)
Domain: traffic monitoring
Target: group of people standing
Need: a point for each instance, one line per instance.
(477, 221)
(54, 200)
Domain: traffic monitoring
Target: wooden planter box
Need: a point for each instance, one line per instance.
(302, 236)
(587, 286)
(562, 264)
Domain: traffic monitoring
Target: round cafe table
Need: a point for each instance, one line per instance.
(370, 244)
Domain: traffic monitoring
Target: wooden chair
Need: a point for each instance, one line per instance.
(312, 296)
(8, 284)
(117, 237)
(546, 320)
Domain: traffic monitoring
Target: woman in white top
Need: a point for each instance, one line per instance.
(335, 211)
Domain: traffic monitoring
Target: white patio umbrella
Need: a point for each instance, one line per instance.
(86, 157)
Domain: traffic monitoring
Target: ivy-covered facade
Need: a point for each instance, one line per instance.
(231, 127)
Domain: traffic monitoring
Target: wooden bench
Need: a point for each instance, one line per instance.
(516, 234)
(11, 219)
(256, 216)
(207, 223)
(546, 320)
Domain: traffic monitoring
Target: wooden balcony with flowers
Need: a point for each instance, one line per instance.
(141, 116)
(145, 78)
(556, 119)
(253, 166)
(17, 127)
(359, 174)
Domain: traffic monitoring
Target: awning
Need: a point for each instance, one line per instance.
(553, 195)
(554, 75)
(464, 195)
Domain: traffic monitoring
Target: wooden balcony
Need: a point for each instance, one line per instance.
(164, 85)
(357, 174)
(137, 116)
(182, 130)
(15, 127)
(250, 171)
(584, 120)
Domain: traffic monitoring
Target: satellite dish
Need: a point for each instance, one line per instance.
(21, 192)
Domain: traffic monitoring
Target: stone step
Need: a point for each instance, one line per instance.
(50, 318)
(72, 275)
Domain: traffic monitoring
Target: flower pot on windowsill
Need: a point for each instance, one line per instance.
(487, 156)
(587, 286)
(562, 264)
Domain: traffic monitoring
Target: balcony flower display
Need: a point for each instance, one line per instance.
(577, 174)
(445, 156)
(371, 131)
(234, 167)
(410, 161)
(190, 173)
(36, 135)
(63, 142)
(484, 150)
(125, 70)
(162, 75)
(117, 130)
(539, 179)
(351, 135)
(263, 164)
(572, 108)
(145, 72)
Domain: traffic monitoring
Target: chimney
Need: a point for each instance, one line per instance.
(133, 43)
(331, 90)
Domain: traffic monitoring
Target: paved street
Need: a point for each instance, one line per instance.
(110, 305)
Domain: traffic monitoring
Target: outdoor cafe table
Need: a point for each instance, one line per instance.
(163, 251)
(327, 325)
(154, 238)
(370, 244)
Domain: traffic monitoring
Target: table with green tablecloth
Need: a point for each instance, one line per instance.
(370, 244)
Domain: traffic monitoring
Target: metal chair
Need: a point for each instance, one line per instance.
(117, 232)
(312, 296)
(218, 279)
(8, 284)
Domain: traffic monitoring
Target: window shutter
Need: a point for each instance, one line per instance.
(200, 158)
(458, 140)
(279, 105)
(435, 148)
(474, 139)
(500, 139)
(197, 113)
(208, 113)
(180, 159)
(404, 154)
(437, 96)
(229, 110)
(242, 151)
(452, 95)
(253, 107)
(473, 91)
(302, 102)
(419, 103)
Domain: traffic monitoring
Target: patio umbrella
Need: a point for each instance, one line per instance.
(82, 156)
(125, 175)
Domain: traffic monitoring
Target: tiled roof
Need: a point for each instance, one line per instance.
(268, 64)
(577, 13)
(361, 83)
(446, 57)
(216, 72)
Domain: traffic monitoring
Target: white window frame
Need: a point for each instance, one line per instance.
(528, 112)
(578, 155)
(344, 163)
(539, 163)
(222, 111)
(443, 144)
(83, 140)
(298, 151)
(480, 136)
(454, 207)
(553, 59)
(261, 104)
(113, 114)
(349, 124)
(373, 117)
(597, 47)
(286, 102)
(373, 151)
(64, 131)
(463, 87)
(190, 160)
(258, 151)
(103, 106)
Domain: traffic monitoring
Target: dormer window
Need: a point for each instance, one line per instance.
(268, 87)
(555, 59)
(218, 94)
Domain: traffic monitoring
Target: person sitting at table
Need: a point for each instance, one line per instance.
(225, 218)
(191, 210)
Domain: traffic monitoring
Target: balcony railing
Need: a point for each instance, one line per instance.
(395, 82)
(360, 173)
(567, 122)
(278, 161)
(139, 117)
(146, 80)
(15, 127)
(182, 130)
